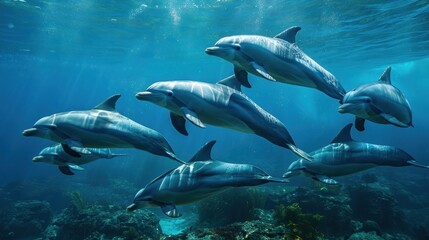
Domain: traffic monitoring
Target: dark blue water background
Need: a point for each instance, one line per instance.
(59, 56)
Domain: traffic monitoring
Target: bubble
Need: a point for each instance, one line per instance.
(10, 25)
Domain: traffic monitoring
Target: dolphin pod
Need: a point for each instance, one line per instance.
(100, 127)
(85, 136)
(379, 102)
(200, 178)
(221, 104)
(275, 59)
(57, 156)
(344, 156)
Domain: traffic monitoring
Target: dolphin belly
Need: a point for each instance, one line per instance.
(97, 139)
(339, 169)
(177, 197)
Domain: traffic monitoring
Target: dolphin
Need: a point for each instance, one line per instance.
(378, 102)
(200, 178)
(221, 104)
(57, 156)
(100, 127)
(275, 59)
(344, 156)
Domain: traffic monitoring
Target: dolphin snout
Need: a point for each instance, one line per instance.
(37, 158)
(143, 95)
(344, 108)
(29, 132)
(212, 50)
(132, 207)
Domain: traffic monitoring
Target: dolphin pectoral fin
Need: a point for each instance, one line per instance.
(75, 167)
(300, 152)
(241, 76)
(178, 123)
(360, 124)
(414, 163)
(70, 151)
(65, 170)
(170, 210)
(262, 71)
(325, 179)
(192, 117)
(77, 146)
(393, 120)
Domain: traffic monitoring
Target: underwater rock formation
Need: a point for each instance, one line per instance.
(236, 205)
(100, 221)
(24, 219)
(376, 203)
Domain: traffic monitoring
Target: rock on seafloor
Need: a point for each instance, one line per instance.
(24, 219)
(103, 222)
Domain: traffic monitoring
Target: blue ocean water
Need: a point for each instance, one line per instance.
(59, 56)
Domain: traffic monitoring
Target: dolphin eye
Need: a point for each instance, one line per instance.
(368, 100)
(236, 47)
(169, 93)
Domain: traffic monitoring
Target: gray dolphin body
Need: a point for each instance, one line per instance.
(100, 127)
(57, 156)
(200, 178)
(275, 59)
(379, 102)
(345, 156)
(222, 105)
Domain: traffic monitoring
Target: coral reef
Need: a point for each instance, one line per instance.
(301, 225)
(24, 219)
(252, 230)
(99, 221)
(232, 206)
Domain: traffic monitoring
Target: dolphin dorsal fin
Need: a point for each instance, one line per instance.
(385, 77)
(231, 82)
(109, 104)
(344, 135)
(289, 34)
(204, 153)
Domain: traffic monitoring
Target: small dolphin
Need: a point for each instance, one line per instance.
(378, 102)
(221, 104)
(275, 59)
(57, 156)
(100, 127)
(345, 156)
(200, 178)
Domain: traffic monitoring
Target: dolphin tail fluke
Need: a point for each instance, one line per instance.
(276, 179)
(299, 152)
(414, 163)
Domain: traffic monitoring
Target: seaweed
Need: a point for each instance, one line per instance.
(301, 225)
(77, 200)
